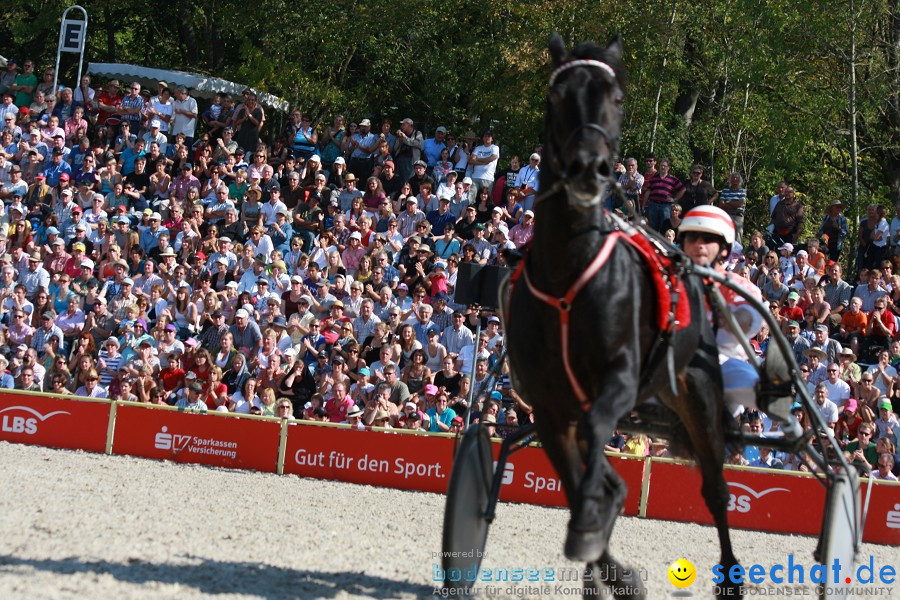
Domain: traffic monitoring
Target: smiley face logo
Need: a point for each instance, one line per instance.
(682, 573)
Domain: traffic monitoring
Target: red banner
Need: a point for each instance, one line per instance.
(883, 521)
(407, 462)
(229, 442)
(757, 500)
(54, 422)
(529, 477)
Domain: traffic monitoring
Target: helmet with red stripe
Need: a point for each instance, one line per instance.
(709, 219)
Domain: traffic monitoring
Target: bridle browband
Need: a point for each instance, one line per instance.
(581, 62)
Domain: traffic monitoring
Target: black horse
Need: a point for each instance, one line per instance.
(581, 340)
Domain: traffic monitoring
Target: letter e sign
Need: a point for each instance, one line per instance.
(72, 36)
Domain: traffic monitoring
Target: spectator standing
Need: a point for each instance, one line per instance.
(834, 228)
(527, 182)
(184, 119)
(362, 145)
(483, 161)
(410, 143)
(787, 219)
(648, 174)
(161, 107)
(433, 147)
(8, 79)
(874, 234)
(631, 182)
(25, 84)
(733, 200)
(247, 122)
(777, 197)
(663, 189)
(697, 191)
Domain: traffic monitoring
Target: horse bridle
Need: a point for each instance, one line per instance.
(612, 141)
(584, 62)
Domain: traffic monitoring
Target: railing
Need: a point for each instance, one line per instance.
(761, 499)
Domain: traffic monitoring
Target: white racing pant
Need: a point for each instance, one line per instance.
(740, 379)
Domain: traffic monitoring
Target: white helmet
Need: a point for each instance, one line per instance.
(709, 219)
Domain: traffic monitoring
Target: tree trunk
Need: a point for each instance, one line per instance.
(661, 77)
(740, 133)
(188, 34)
(891, 164)
(110, 33)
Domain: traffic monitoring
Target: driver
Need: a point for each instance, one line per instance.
(707, 234)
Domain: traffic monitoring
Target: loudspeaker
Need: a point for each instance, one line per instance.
(491, 278)
(477, 284)
(467, 283)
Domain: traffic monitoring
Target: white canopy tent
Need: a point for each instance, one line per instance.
(202, 86)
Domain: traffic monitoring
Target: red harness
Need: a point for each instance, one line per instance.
(668, 288)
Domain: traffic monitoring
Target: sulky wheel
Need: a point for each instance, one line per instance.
(465, 522)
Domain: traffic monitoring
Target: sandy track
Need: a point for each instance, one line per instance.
(76, 525)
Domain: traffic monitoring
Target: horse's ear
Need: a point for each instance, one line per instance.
(614, 48)
(558, 50)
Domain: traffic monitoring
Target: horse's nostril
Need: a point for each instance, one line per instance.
(603, 169)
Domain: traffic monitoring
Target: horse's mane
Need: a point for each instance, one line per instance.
(593, 50)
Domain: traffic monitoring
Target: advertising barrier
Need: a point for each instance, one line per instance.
(529, 477)
(381, 458)
(759, 500)
(213, 439)
(762, 500)
(883, 520)
(54, 421)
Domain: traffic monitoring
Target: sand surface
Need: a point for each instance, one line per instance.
(80, 525)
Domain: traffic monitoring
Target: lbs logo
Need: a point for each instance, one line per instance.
(741, 502)
(12, 423)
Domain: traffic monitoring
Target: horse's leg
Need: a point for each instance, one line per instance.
(602, 492)
(701, 410)
(561, 445)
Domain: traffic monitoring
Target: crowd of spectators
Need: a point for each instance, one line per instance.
(156, 252)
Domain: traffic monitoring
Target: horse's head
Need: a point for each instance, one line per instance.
(584, 118)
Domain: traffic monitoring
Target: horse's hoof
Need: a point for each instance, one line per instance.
(585, 546)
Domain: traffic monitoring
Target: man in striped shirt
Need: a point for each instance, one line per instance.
(733, 200)
(663, 190)
(110, 361)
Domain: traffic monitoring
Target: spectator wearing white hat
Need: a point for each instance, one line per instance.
(246, 333)
(155, 134)
(35, 277)
(527, 181)
(149, 238)
(522, 233)
(501, 238)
